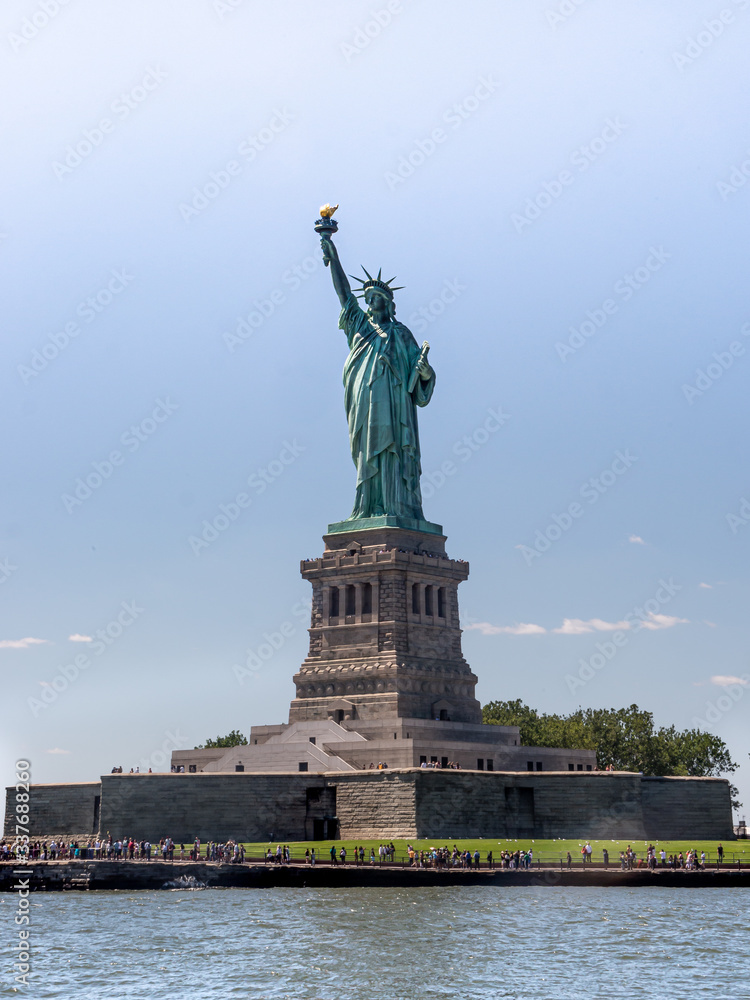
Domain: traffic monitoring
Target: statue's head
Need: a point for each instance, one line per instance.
(380, 304)
(378, 294)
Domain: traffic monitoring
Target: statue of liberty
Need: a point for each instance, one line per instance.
(386, 377)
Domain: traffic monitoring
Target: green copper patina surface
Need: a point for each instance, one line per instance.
(386, 377)
(365, 523)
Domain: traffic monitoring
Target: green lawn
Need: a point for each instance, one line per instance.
(544, 850)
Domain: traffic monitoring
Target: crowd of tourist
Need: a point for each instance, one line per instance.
(126, 849)
(231, 852)
(690, 861)
(444, 857)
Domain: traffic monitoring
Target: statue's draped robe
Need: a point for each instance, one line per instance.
(382, 414)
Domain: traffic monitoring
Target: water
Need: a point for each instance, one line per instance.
(462, 943)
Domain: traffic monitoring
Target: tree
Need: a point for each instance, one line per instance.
(623, 737)
(736, 804)
(233, 739)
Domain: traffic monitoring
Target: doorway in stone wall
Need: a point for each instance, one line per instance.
(321, 822)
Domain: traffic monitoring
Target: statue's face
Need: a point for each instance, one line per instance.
(378, 304)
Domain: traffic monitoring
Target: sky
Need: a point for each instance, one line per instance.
(561, 186)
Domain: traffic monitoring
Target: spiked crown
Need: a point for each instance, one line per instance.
(382, 286)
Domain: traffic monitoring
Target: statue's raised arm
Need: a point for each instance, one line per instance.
(326, 226)
(331, 259)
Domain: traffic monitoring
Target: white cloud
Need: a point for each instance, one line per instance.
(710, 624)
(720, 681)
(576, 626)
(21, 643)
(636, 539)
(706, 586)
(57, 750)
(654, 622)
(79, 638)
(523, 628)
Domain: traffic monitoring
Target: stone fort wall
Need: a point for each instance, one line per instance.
(55, 810)
(687, 807)
(599, 805)
(439, 804)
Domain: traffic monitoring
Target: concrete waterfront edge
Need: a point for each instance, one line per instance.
(131, 875)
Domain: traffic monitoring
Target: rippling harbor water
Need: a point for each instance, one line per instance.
(472, 943)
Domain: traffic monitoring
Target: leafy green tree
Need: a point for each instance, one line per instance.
(623, 737)
(233, 739)
(735, 792)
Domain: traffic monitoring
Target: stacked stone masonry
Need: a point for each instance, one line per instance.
(440, 805)
(385, 632)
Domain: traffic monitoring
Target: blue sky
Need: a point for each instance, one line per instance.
(563, 190)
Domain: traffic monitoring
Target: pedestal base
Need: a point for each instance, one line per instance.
(386, 521)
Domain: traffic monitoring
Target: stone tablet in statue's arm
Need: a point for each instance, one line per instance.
(422, 380)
